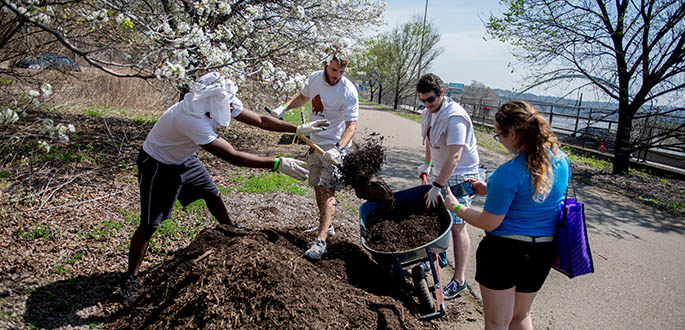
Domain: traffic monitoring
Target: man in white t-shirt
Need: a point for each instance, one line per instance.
(169, 169)
(334, 98)
(452, 155)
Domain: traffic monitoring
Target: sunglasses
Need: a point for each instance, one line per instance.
(496, 136)
(429, 99)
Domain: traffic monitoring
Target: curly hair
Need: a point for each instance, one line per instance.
(429, 83)
(535, 138)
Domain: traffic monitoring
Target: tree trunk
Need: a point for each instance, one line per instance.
(623, 148)
(380, 93)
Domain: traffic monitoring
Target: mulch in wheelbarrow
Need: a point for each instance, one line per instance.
(394, 228)
(232, 278)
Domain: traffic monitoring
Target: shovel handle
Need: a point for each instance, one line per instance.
(423, 178)
(315, 147)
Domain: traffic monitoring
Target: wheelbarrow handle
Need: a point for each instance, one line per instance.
(316, 147)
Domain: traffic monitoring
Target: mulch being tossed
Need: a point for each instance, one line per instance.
(68, 215)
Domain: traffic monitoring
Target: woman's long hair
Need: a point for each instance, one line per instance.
(535, 138)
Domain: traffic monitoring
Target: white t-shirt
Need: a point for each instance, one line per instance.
(459, 132)
(178, 135)
(338, 103)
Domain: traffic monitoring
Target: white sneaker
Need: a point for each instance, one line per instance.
(331, 230)
(316, 250)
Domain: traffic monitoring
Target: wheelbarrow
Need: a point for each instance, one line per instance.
(431, 300)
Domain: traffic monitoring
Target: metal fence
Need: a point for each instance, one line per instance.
(595, 128)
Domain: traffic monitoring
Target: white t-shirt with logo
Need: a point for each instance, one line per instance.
(459, 132)
(178, 135)
(338, 103)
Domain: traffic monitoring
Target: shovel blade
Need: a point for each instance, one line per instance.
(375, 191)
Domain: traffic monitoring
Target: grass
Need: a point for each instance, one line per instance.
(294, 117)
(38, 232)
(373, 104)
(269, 182)
(138, 116)
(586, 160)
(104, 231)
(409, 116)
(64, 267)
(485, 140)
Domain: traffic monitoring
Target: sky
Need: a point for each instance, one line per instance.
(466, 55)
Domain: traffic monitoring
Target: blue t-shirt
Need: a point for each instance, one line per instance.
(510, 193)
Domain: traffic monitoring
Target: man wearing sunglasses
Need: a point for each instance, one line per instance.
(333, 98)
(451, 155)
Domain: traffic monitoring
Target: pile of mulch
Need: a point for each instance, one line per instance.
(231, 278)
(391, 229)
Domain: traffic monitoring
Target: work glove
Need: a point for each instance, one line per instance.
(313, 126)
(332, 155)
(432, 195)
(278, 112)
(292, 167)
(425, 168)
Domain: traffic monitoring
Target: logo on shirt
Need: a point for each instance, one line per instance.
(317, 106)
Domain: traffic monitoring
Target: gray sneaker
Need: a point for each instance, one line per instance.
(131, 288)
(453, 289)
(331, 230)
(316, 250)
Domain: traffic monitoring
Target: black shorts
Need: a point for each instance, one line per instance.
(161, 185)
(504, 263)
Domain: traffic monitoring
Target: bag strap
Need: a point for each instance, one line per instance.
(571, 183)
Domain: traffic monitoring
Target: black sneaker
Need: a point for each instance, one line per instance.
(453, 289)
(130, 288)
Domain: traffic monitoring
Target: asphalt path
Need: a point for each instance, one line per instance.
(638, 252)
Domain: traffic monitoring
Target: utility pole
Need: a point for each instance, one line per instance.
(423, 32)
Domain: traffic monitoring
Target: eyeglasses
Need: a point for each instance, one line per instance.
(429, 99)
(496, 136)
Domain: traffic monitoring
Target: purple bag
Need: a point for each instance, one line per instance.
(573, 249)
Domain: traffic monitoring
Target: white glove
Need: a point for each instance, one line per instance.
(332, 156)
(313, 126)
(278, 112)
(432, 196)
(291, 167)
(425, 168)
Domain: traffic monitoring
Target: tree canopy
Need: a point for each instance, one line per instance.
(270, 42)
(631, 51)
(394, 58)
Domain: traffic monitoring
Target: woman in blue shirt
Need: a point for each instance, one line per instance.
(522, 206)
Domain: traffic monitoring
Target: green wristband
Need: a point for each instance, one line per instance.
(276, 163)
(426, 162)
(286, 106)
(457, 208)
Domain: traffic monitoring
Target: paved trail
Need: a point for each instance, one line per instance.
(639, 252)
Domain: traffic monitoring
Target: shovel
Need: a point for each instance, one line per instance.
(374, 190)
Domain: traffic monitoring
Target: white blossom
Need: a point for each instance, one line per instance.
(8, 116)
(46, 88)
(44, 145)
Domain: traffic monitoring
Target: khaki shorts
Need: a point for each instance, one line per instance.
(319, 173)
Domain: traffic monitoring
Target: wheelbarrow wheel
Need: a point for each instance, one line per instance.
(426, 301)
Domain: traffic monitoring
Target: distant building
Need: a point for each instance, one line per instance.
(453, 90)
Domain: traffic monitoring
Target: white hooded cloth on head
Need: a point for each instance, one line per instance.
(215, 94)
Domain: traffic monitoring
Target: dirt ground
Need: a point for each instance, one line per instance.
(68, 216)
